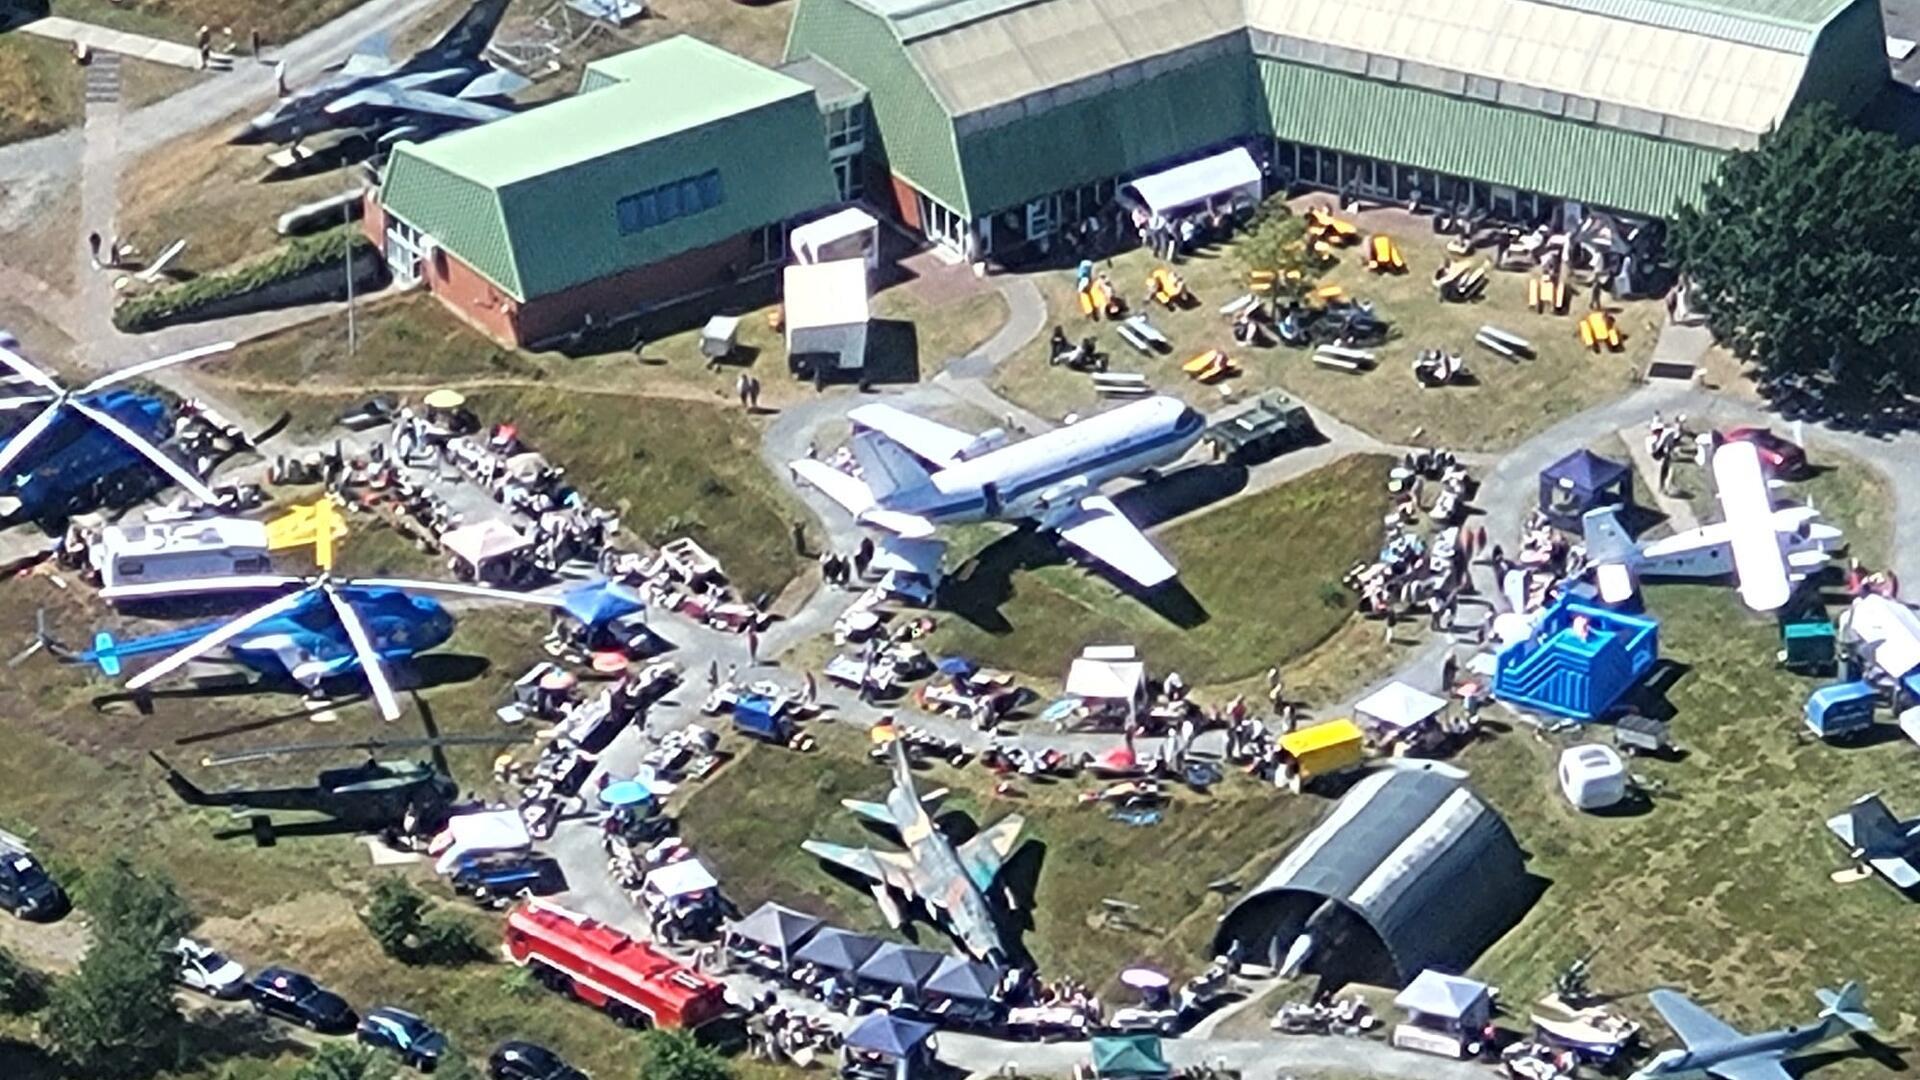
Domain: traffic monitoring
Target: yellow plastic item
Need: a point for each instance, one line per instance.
(1383, 255)
(1325, 748)
(1208, 366)
(316, 524)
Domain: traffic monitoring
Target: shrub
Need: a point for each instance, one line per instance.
(22, 989)
(152, 310)
(394, 916)
(448, 938)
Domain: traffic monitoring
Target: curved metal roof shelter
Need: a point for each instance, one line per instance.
(1411, 870)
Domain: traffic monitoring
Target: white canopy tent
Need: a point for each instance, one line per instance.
(1454, 999)
(484, 541)
(684, 878)
(1227, 175)
(1888, 632)
(844, 234)
(483, 833)
(1397, 706)
(827, 311)
(1107, 673)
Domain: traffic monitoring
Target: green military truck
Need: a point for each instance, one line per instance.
(1260, 429)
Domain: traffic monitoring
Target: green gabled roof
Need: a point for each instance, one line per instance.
(1530, 151)
(528, 201)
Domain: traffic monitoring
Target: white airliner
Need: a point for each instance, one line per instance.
(916, 474)
(1769, 550)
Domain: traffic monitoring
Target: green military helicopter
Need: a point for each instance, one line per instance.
(395, 798)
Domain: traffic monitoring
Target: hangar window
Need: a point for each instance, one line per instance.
(668, 202)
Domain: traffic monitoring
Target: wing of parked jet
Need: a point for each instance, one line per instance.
(1748, 508)
(1752, 1067)
(1695, 1026)
(372, 55)
(929, 439)
(495, 83)
(887, 867)
(1104, 533)
(416, 101)
(983, 855)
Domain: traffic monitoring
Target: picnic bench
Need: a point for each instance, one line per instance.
(1511, 346)
(1133, 337)
(1120, 384)
(1354, 361)
(1209, 366)
(1140, 333)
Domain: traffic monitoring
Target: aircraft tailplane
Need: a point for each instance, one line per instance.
(886, 466)
(1848, 1005)
(468, 38)
(1607, 540)
(189, 792)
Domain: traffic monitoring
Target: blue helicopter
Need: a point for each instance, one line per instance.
(324, 628)
(85, 439)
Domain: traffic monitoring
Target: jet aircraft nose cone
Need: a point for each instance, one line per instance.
(245, 134)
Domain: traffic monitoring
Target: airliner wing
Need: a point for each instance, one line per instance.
(1752, 1067)
(933, 441)
(1103, 532)
(1757, 558)
(1694, 1025)
(854, 496)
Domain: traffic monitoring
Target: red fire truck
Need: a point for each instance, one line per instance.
(633, 982)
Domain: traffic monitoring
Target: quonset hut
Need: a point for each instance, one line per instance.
(1411, 870)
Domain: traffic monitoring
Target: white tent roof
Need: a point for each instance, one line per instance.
(484, 541)
(1398, 705)
(490, 830)
(1198, 181)
(1112, 679)
(1890, 630)
(684, 878)
(1437, 994)
(815, 235)
(826, 294)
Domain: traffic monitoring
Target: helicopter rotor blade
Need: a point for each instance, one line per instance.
(369, 746)
(200, 586)
(369, 657)
(412, 585)
(35, 428)
(25, 368)
(193, 484)
(9, 404)
(136, 370)
(218, 638)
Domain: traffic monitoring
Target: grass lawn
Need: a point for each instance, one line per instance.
(177, 20)
(1510, 401)
(41, 91)
(1263, 573)
(1081, 857)
(1721, 888)
(675, 460)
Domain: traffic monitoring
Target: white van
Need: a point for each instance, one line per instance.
(180, 550)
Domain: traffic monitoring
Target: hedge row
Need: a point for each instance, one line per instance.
(162, 307)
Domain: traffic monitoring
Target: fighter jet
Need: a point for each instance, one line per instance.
(1714, 1048)
(444, 84)
(951, 883)
(1885, 843)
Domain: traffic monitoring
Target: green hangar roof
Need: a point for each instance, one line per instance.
(549, 198)
(985, 104)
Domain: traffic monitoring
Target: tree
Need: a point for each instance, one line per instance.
(345, 1061)
(1800, 254)
(677, 1055)
(1276, 243)
(447, 938)
(394, 915)
(22, 989)
(116, 1015)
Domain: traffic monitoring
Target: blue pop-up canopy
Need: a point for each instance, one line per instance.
(601, 602)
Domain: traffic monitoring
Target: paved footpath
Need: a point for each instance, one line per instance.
(103, 39)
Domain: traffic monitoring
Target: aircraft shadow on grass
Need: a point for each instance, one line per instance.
(422, 672)
(984, 584)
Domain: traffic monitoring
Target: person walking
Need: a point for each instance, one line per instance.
(753, 647)
(93, 246)
(741, 389)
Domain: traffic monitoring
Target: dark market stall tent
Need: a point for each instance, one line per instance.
(778, 928)
(837, 950)
(900, 966)
(1582, 481)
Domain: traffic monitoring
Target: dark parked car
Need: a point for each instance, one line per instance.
(25, 888)
(290, 995)
(417, 1042)
(1779, 455)
(515, 1060)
